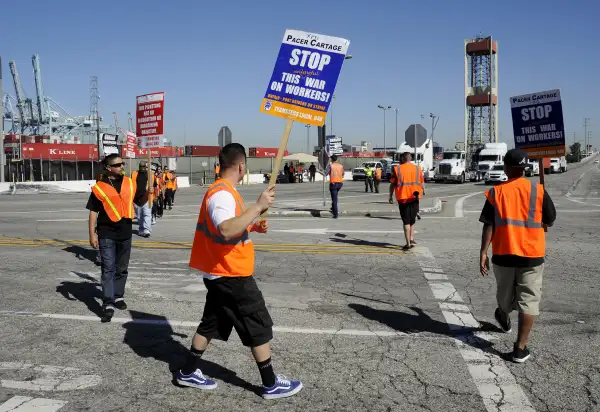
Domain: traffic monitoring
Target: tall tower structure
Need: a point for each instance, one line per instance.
(481, 93)
(94, 116)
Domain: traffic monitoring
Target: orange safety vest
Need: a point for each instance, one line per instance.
(336, 173)
(169, 180)
(134, 176)
(217, 169)
(407, 181)
(518, 228)
(211, 253)
(116, 205)
(378, 174)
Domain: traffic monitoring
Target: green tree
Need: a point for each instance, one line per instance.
(575, 149)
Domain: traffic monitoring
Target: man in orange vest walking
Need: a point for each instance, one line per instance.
(169, 185)
(377, 180)
(144, 212)
(514, 219)
(335, 171)
(223, 253)
(407, 184)
(110, 220)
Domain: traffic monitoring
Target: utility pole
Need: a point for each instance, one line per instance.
(116, 125)
(585, 133)
(384, 110)
(307, 138)
(396, 110)
(2, 155)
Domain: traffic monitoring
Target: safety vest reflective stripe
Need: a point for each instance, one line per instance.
(400, 183)
(530, 223)
(107, 199)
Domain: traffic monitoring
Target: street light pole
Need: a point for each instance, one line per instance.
(384, 109)
(396, 110)
(307, 138)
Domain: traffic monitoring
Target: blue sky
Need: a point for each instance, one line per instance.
(214, 60)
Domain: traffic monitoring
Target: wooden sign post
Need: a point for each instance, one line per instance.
(302, 83)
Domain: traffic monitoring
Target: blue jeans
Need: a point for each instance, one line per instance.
(334, 189)
(115, 262)
(144, 216)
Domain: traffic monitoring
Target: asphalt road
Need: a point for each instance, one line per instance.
(365, 326)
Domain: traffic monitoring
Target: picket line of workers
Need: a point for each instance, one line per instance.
(148, 205)
(515, 215)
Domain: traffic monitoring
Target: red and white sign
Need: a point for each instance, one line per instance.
(150, 118)
(60, 151)
(131, 145)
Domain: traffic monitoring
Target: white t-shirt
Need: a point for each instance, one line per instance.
(221, 207)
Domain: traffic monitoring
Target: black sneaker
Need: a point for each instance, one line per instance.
(120, 304)
(504, 323)
(108, 312)
(520, 355)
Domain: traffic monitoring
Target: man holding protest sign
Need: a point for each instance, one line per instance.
(223, 253)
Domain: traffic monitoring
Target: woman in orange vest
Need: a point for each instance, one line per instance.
(336, 180)
(223, 253)
(407, 184)
(111, 214)
(514, 218)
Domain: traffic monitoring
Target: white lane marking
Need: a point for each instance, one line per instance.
(29, 404)
(498, 388)
(445, 291)
(187, 324)
(323, 231)
(53, 378)
(458, 206)
(435, 276)
(62, 220)
(585, 198)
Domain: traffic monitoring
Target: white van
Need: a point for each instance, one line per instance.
(558, 164)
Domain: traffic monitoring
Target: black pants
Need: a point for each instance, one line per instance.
(160, 205)
(173, 196)
(368, 184)
(115, 263)
(377, 181)
(168, 198)
(235, 302)
(334, 189)
(408, 212)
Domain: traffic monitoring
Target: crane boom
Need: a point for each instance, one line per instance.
(19, 93)
(42, 106)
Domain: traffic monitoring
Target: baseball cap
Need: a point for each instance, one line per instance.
(516, 158)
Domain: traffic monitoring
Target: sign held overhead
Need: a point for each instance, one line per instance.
(304, 77)
(538, 125)
(150, 119)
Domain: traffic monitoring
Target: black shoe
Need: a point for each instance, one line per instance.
(108, 312)
(120, 304)
(504, 322)
(520, 355)
(412, 242)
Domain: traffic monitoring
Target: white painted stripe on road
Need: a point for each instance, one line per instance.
(458, 206)
(497, 386)
(187, 324)
(445, 291)
(62, 220)
(435, 276)
(29, 404)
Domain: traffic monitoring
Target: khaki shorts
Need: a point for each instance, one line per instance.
(519, 289)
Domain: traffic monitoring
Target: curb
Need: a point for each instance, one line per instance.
(436, 208)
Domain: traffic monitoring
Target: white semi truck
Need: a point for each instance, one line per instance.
(424, 157)
(491, 155)
(454, 167)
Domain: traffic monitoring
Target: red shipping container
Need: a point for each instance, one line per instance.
(60, 151)
(164, 151)
(202, 150)
(265, 152)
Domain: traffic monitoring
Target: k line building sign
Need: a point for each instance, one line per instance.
(304, 77)
(538, 124)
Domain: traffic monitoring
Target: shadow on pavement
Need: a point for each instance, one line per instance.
(342, 238)
(422, 322)
(85, 292)
(154, 339)
(82, 253)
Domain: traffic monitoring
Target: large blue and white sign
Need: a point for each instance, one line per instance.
(538, 124)
(304, 78)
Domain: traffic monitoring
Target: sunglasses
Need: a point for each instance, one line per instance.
(116, 165)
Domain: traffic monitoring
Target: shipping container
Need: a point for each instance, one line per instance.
(60, 151)
(163, 151)
(264, 152)
(202, 150)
